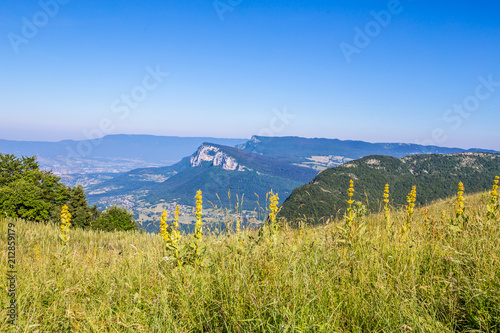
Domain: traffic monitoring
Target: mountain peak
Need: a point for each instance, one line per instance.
(215, 155)
(255, 139)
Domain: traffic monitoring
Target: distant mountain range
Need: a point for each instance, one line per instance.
(110, 154)
(214, 169)
(436, 177)
(254, 167)
(144, 170)
(326, 153)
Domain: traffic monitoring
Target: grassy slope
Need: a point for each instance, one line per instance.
(430, 279)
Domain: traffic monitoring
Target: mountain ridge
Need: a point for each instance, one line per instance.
(109, 154)
(321, 153)
(213, 168)
(436, 177)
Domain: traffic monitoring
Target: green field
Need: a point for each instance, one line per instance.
(436, 273)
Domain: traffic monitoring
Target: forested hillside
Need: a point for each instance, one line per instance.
(436, 176)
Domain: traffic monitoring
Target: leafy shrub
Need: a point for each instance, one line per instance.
(115, 218)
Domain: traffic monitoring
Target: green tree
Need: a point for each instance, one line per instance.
(94, 214)
(115, 218)
(28, 192)
(24, 200)
(79, 207)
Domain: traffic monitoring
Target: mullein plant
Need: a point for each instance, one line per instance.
(493, 206)
(64, 225)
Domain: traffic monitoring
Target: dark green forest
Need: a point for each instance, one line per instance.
(436, 177)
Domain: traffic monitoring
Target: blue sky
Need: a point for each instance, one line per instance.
(380, 71)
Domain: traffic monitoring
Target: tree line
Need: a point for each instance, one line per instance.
(33, 194)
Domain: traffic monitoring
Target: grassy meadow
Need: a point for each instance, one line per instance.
(433, 272)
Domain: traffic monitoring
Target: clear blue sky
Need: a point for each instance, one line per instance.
(411, 77)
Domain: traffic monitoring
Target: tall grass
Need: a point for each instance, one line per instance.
(429, 276)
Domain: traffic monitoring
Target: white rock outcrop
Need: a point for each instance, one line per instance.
(207, 153)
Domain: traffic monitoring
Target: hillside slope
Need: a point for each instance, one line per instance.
(214, 169)
(436, 176)
(381, 278)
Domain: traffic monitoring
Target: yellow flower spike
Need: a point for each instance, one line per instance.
(199, 223)
(493, 206)
(386, 202)
(494, 193)
(176, 217)
(163, 224)
(350, 212)
(460, 207)
(386, 194)
(64, 225)
(273, 207)
(176, 234)
(412, 197)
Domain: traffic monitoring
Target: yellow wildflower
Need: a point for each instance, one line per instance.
(411, 198)
(163, 225)
(351, 192)
(494, 193)
(273, 207)
(493, 206)
(460, 207)
(65, 223)
(386, 203)
(176, 217)
(198, 231)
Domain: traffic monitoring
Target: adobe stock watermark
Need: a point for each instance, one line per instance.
(456, 115)
(363, 37)
(278, 122)
(121, 107)
(31, 26)
(222, 7)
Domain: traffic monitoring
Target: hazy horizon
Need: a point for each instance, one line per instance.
(241, 138)
(375, 71)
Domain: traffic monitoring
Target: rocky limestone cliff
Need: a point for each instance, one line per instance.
(215, 155)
